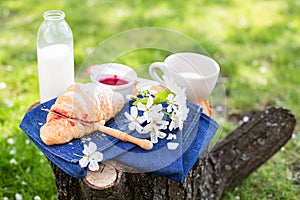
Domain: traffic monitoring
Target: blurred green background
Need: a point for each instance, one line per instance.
(256, 43)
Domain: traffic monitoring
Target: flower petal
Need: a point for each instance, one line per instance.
(93, 166)
(157, 116)
(180, 125)
(85, 150)
(134, 111)
(169, 108)
(92, 147)
(156, 108)
(162, 125)
(153, 137)
(141, 119)
(172, 145)
(161, 135)
(97, 156)
(170, 97)
(171, 136)
(131, 126)
(139, 128)
(172, 125)
(128, 116)
(147, 128)
(141, 106)
(83, 162)
(150, 102)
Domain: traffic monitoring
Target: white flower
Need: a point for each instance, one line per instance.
(134, 119)
(177, 104)
(10, 141)
(155, 126)
(153, 113)
(18, 196)
(176, 120)
(150, 110)
(180, 97)
(13, 151)
(3, 85)
(172, 106)
(13, 161)
(155, 131)
(37, 198)
(91, 157)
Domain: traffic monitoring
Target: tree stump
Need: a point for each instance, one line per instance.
(230, 161)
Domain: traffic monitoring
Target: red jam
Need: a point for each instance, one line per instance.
(72, 123)
(113, 80)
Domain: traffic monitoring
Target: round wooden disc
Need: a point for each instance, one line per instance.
(106, 177)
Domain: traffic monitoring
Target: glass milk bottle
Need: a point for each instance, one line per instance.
(55, 55)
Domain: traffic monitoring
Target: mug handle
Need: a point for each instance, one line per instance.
(153, 67)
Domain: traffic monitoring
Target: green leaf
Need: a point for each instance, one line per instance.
(159, 97)
(142, 100)
(162, 96)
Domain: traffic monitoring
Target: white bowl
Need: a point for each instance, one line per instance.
(123, 88)
(124, 72)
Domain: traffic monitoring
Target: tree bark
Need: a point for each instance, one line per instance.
(230, 161)
(246, 148)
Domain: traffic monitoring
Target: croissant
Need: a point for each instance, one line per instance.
(80, 111)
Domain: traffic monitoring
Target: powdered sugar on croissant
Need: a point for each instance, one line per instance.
(90, 103)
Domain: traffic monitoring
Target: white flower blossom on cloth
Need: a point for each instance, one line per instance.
(177, 104)
(177, 120)
(172, 103)
(155, 126)
(135, 120)
(156, 108)
(150, 110)
(155, 132)
(172, 145)
(154, 116)
(91, 157)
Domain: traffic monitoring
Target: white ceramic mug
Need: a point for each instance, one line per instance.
(195, 72)
(109, 70)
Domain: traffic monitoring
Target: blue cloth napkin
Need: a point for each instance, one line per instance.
(194, 138)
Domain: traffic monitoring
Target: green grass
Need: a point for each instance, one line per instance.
(256, 43)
